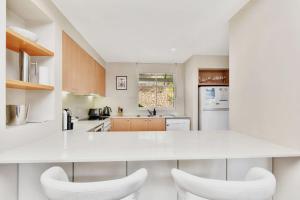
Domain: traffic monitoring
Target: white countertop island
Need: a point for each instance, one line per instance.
(143, 146)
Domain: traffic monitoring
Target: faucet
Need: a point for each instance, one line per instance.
(152, 113)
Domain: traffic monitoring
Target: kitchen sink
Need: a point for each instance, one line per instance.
(150, 116)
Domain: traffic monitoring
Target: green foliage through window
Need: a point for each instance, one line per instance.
(156, 90)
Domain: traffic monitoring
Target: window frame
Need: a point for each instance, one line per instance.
(158, 108)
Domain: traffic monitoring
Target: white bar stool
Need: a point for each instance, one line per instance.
(259, 184)
(56, 186)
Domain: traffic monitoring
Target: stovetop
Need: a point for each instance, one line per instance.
(98, 118)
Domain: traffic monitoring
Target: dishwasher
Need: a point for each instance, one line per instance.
(178, 124)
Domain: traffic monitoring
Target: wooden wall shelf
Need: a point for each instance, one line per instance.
(213, 84)
(213, 77)
(16, 42)
(27, 86)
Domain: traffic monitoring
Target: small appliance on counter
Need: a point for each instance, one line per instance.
(67, 120)
(106, 111)
(120, 111)
(99, 113)
(16, 114)
(94, 113)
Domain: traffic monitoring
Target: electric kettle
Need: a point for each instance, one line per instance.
(106, 111)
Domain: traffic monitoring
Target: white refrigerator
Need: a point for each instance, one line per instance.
(213, 108)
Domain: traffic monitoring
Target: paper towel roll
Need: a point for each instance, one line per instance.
(44, 75)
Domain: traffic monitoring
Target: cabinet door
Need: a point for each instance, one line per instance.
(102, 81)
(67, 57)
(70, 61)
(157, 124)
(159, 184)
(120, 124)
(139, 124)
(75, 69)
(91, 68)
(83, 73)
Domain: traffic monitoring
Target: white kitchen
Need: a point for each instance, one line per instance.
(164, 100)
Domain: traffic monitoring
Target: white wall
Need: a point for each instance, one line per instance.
(18, 135)
(192, 67)
(50, 9)
(128, 99)
(79, 104)
(265, 84)
(2, 62)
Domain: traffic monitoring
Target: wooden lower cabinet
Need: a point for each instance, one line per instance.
(157, 124)
(120, 124)
(138, 124)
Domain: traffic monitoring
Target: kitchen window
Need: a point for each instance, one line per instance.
(156, 90)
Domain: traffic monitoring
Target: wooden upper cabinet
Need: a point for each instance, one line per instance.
(102, 81)
(71, 53)
(66, 62)
(99, 79)
(91, 77)
(139, 124)
(75, 66)
(81, 73)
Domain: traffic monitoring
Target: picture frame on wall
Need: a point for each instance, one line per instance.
(121, 82)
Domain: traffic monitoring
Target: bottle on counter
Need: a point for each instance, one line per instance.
(67, 120)
(154, 112)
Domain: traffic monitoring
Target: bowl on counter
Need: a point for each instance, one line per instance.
(16, 114)
(25, 33)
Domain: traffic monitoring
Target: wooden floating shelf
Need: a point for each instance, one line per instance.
(213, 84)
(27, 86)
(213, 77)
(17, 43)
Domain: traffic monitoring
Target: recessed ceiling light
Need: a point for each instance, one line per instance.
(173, 49)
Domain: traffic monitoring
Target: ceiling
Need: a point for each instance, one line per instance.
(152, 31)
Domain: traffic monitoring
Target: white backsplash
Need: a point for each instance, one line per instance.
(79, 104)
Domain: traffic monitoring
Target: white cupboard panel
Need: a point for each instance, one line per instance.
(238, 168)
(159, 185)
(89, 172)
(29, 179)
(9, 181)
(215, 169)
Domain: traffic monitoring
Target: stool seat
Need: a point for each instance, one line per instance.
(259, 184)
(57, 186)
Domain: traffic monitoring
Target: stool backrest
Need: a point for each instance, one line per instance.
(57, 186)
(259, 184)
